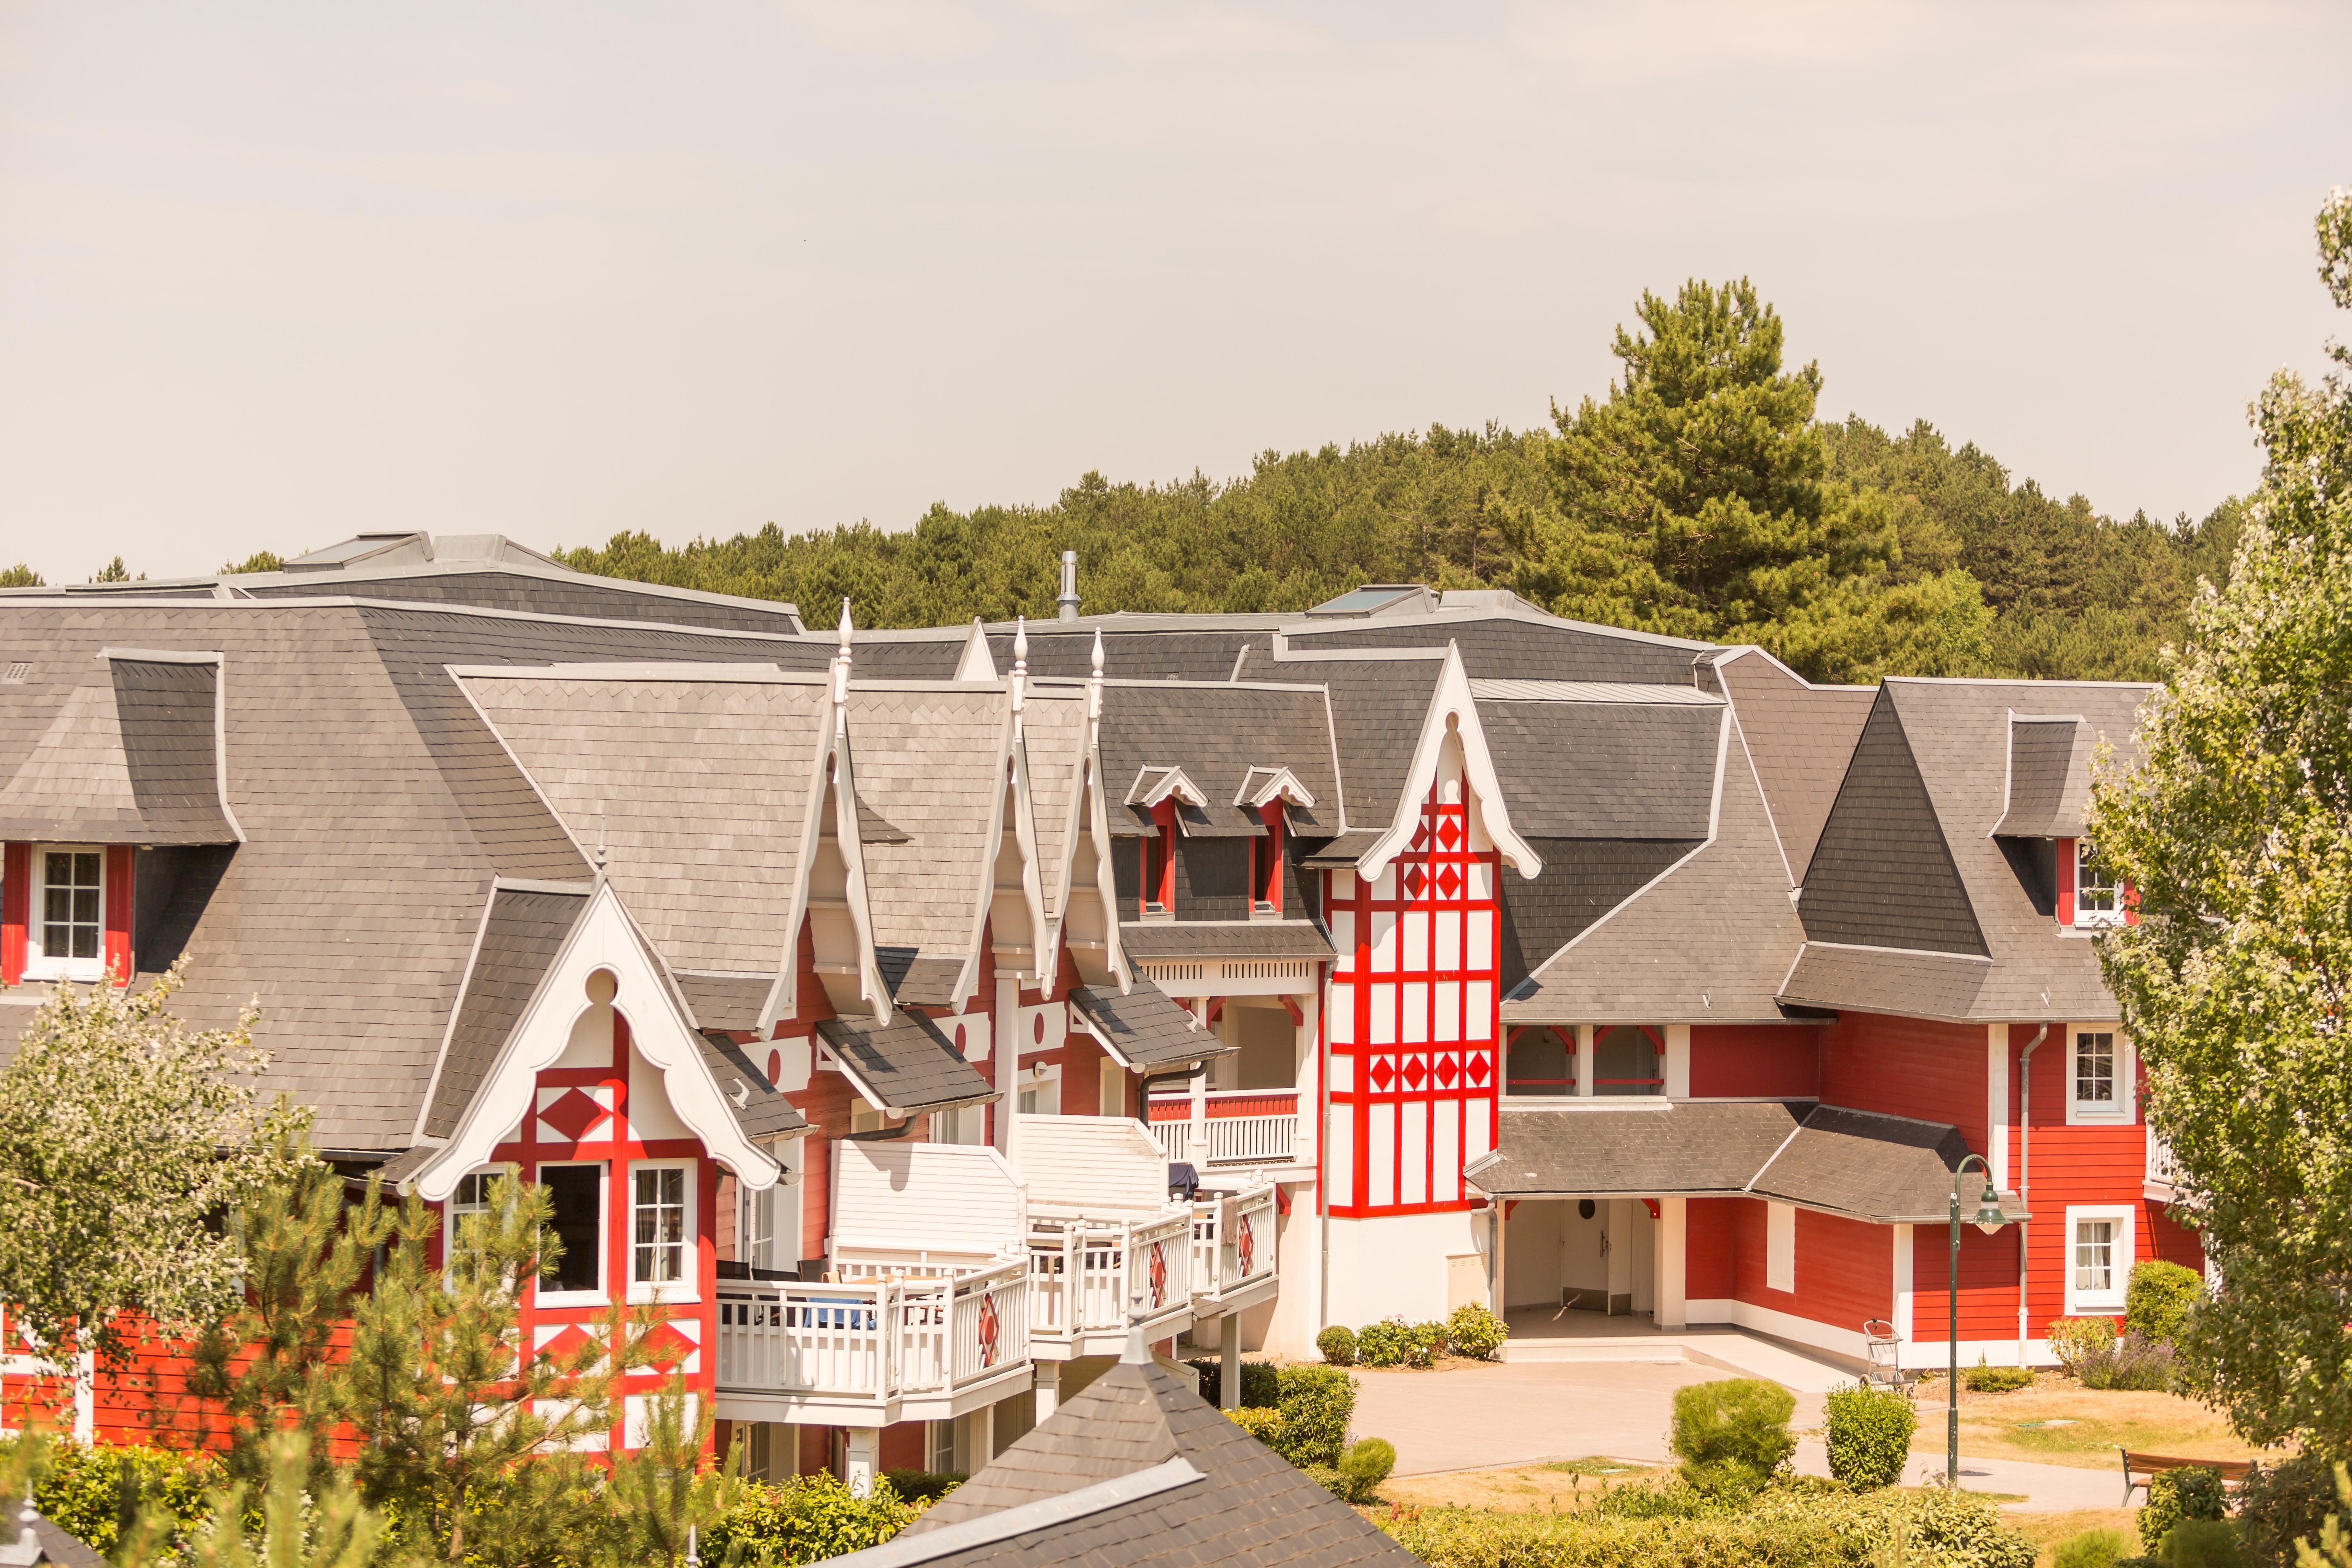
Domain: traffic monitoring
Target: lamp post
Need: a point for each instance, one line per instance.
(1988, 1219)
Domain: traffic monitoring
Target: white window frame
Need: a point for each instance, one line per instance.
(2093, 919)
(1780, 1248)
(456, 1207)
(2109, 1302)
(547, 1297)
(1110, 1087)
(684, 1287)
(1033, 1081)
(2124, 1109)
(782, 1216)
(38, 964)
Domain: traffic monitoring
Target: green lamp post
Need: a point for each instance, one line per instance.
(1988, 1219)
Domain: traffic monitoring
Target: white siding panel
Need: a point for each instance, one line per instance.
(1340, 1015)
(1478, 1010)
(1445, 1164)
(952, 1197)
(1381, 1173)
(1095, 1162)
(1339, 1158)
(1413, 1153)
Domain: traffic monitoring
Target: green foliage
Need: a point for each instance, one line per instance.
(2201, 1544)
(1392, 1341)
(2335, 1547)
(1338, 1345)
(1317, 1402)
(1736, 1429)
(2073, 1340)
(2280, 1504)
(2158, 1302)
(1475, 1332)
(1260, 1423)
(1362, 1468)
(658, 1492)
(21, 576)
(304, 1524)
(1259, 1383)
(2129, 1363)
(97, 1493)
(1983, 1378)
(2193, 1491)
(121, 1132)
(259, 561)
(2235, 828)
(2090, 1549)
(805, 1520)
(1869, 1434)
(115, 572)
(924, 1486)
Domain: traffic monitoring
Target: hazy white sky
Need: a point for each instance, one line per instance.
(271, 275)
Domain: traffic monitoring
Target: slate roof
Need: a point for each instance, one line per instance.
(1217, 732)
(1378, 703)
(1520, 643)
(1146, 1028)
(906, 1065)
(1054, 744)
(57, 1545)
(1582, 762)
(758, 1106)
(1910, 881)
(2048, 790)
(1143, 940)
(1250, 1507)
(1799, 737)
(133, 760)
(524, 929)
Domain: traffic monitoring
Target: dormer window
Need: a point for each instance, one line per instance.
(2098, 901)
(1160, 861)
(1265, 863)
(65, 937)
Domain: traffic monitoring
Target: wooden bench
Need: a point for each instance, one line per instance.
(2141, 1469)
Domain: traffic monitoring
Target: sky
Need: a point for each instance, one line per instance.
(271, 275)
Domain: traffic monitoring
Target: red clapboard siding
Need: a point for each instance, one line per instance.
(119, 898)
(1845, 1268)
(1734, 1061)
(1708, 1245)
(15, 909)
(1988, 1282)
(1908, 1067)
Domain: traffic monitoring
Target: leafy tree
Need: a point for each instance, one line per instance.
(446, 1395)
(21, 576)
(2236, 832)
(259, 561)
(124, 1133)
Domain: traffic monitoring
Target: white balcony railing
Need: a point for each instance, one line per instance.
(2163, 1180)
(876, 1342)
(1237, 1127)
(1092, 1278)
(1232, 1244)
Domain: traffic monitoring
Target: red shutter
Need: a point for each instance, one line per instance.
(15, 907)
(119, 859)
(2065, 882)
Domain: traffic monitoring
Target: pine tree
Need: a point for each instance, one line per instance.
(661, 1492)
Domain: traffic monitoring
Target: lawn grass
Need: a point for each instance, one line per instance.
(2094, 1424)
(1562, 1484)
(2047, 1529)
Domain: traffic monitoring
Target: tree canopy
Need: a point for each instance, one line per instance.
(1700, 496)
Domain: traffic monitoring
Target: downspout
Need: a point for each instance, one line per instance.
(2024, 1176)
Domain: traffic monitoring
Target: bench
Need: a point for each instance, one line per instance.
(2141, 1469)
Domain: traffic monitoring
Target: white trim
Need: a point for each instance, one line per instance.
(976, 663)
(1780, 1325)
(2102, 920)
(1174, 780)
(1677, 1061)
(1281, 782)
(39, 965)
(1906, 1287)
(1451, 699)
(1780, 1248)
(1997, 1101)
(682, 1288)
(2090, 1113)
(2123, 1254)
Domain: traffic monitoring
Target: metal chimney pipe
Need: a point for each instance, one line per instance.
(1068, 602)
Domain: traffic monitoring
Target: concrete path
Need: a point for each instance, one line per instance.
(2047, 1488)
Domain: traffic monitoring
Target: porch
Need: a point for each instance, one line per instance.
(1228, 1128)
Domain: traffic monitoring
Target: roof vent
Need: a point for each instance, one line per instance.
(17, 674)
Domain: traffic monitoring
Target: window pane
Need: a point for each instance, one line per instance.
(85, 905)
(85, 941)
(2095, 1068)
(85, 870)
(576, 1192)
(2095, 1255)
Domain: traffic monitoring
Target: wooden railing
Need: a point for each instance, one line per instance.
(874, 1340)
(1239, 1127)
(1233, 1242)
(1089, 1275)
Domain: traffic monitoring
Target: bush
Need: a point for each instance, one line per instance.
(1475, 1333)
(2092, 1549)
(2280, 1502)
(2157, 1301)
(924, 1486)
(1257, 1382)
(2192, 1492)
(805, 1520)
(96, 1492)
(2072, 1339)
(2130, 1362)
(1316, 1405)
(1946, 1529)
(1869, 1435)
(1260, 1423)
(1997, 1379)
(2201, 1544)
(1362, 1468)
(1392, 1341)
(1337, 1345)
(1736, 1427)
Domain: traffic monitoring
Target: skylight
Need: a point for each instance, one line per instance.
(1368, 600)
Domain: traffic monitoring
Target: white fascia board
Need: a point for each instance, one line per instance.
(1280, 781)
(659, 1031)
(1015, 771)
(1172, 782)
(977, 663)
(1452, 699)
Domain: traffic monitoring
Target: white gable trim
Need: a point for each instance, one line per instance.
(1169, 781)
(1451, 701)
(659, 1031)
(1279, 782)
(977, 663)
(832, 769)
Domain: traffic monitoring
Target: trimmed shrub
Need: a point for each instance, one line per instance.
(1337, 1345)
(2092, 1549)
(1869, 1435)
(1362, 1468)
(2192, 1492)
(1317, 1404)
(1392, 1341)
(2280, 1502)
(1946, 1529)
(1475, 1333)
(1260, 1423)
(2130, 1362)
(2201, 1544)
(924, 1486)
(1997, 1379)
(1738, 1428)
(2073, 1339)
(2158, 1298)
(806, 1519)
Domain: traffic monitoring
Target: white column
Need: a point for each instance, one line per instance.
(1997, 1102)
(1673, 1291)
(1677, 1073)
(1903, 1294)
(863, 1460)
(1620, 1250)
(85, 1399)
(1005, 1052)
(1199, 1086)
(1584, 1058)
(1049, 1390)
(1229, 1362)
(983, 1437)
(1306, 1138)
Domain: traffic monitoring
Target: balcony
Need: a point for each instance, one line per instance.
(1234, 1262)
(1238, 1128)
(2162, 1182)
(870, 1352)
(1092, 1278)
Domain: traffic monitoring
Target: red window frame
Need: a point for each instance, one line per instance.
(1266, 862)
(1159, 890)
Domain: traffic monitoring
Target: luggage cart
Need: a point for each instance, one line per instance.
(1885, 1345)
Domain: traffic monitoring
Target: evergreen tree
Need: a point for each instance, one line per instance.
(662, 1494)
(21, 576)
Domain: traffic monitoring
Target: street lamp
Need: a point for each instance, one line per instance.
(1988, 1219)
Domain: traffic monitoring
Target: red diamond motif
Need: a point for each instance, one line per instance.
(1413, 882)
(667, 1347)
(565, 1345)
(1449, 883)
(573, 1114)
(1445, 1073)
(1449, 833)
(1475, 1070)
(1416, 1071)
(1383, 1074)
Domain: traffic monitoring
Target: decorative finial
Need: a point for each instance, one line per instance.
(841, 674)
(1098, 653)
(846, 625)
(1094, 685)
(1020, 670)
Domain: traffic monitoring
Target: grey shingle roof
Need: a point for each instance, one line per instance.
(1223, 939)
(522, 932)
(1377, 708)
(1524, 646)
(724, 1000)
(1889, 1170)
(905, 1066)
(1611, 769)
(1054, 745)
(1216, 732)
(760, 1109)
(1145, 1028)
(132, 761)
(1581, 880)
(1252, 1508)
(1800, 737)
(1886, 980)
(2049, 778)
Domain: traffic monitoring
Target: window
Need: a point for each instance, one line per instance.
(964, 1124)
(66, 935)
(1041, 1096)
(658, 1225)
(2098, 1077)
(865, 1118)
(472, 1197)
(577, 1194)
(1265, 864)
(1627, 1059)
(1779, 1246)
(2099, 1258)
(1113, 1089)
(1542, 1061)
(1160, 861)
(2097, 901)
